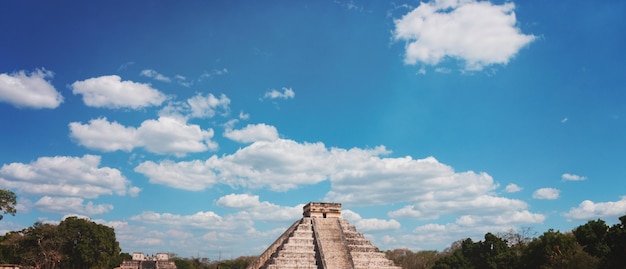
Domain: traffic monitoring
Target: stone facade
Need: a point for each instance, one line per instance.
(322, 240)
(322, 210)
(141, 261)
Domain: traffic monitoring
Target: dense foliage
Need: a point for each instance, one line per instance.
(74, 243)
(593, 245)
(203, 263)
(7, 202)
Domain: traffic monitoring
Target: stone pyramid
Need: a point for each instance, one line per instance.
(322, 239)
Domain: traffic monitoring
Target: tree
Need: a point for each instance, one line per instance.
(557, 250)
(616, 240)
(592, 236)
(88, 244)
(414, 260)
(7, 202)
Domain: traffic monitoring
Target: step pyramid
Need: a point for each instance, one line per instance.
(322, 239)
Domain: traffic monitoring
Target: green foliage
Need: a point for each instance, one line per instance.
(557, 250)
(88, 245)
(7, 202)
(74, 243)
(238, 263)
(592, 236)
(409, 259)
(616, 240)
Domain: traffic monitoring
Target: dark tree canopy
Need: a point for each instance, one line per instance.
(74, 243)
(7, 202)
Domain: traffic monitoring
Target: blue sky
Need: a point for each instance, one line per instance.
(202, 128)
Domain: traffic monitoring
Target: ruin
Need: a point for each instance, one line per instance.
(141, 261)
(322, 239)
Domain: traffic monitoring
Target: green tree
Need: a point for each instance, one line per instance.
(557, 250)
(616, 240)
(38, 246)
(414, 260)
(88, 244)
(592, 236)
(238, 263)
(7, 202)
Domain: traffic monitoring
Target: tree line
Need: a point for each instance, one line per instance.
(593, 245)
(77, 243)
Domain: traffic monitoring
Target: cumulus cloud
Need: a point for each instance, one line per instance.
(29, 90)
(192, 175)
(227, 233)
(357, 176)
(587, 210)
(287, 93)
(206, 106)
(71, 205)
(572, 177)
(546, 194)
(512, 188)
(199, 106)
(65, 176)
(408, 211)
(477, 32)
(155, 75)
(201, 219)
(103, 135)
(369, 225)
(254, 209)
(434, 235)
(252, 133)
(172, 136)
(112, 92)
(165, 135)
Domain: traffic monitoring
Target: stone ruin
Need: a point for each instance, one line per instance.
(322, 239)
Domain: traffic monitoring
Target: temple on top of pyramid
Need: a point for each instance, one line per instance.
(322, 210)
(322, 239)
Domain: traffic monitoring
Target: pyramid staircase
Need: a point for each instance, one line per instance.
(322, 243)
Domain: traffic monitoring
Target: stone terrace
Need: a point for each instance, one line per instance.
(322, 240)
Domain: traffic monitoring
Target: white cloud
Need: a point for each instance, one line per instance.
(206, 106)
(587, 210)
(103, 135)
(478, 32)
(71, 205)
(238, 201)
(165, 135)
(368, 225)
(572, 177)
(287, 93)
(192, 175)
(254, 209)
(228, 234)
(173, 136)
(406, 212)
(201, 219)
(512, 188)
(29, 90)
(213, 73)
(112, 92)
(434, 235)
(252, 133)
(546, 194)
(429, 188)
(244, 116)
(65, 176)
(198, 106)
(155, 75)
